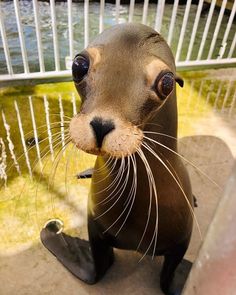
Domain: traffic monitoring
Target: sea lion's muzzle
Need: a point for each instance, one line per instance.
(105, 135)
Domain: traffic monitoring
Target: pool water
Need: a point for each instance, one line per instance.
(26, 9)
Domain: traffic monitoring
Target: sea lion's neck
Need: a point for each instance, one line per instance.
(162, 127)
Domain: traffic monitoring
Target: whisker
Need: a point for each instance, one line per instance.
(45, 125)
(41, 175)
(180, 187)
(132, 195)
(104, 165)
(113, 204)
(67, 167)
(17, 198)
(149, 171)
(28, 149)
(110, 173)
(117, 178)
(124, 186)
(150, 206)
(61, 115)
(186, 160)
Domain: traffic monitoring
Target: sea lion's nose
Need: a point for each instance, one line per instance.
(101, 128)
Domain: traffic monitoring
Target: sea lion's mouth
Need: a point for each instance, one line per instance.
(114, 154)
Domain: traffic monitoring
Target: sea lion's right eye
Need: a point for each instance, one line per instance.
(164, 84)
(80, 67)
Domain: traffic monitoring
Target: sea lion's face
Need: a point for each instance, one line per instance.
(122, 82)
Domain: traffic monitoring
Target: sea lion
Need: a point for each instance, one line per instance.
(141, 196)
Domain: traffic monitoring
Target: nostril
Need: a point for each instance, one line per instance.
(101, 128)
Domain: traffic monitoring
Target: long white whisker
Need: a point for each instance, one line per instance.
(124, 186)
(154, 238)
(178, 184)
(182, 157)
(132, 195)
(150, 206)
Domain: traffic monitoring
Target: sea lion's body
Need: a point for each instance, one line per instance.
(126, 208)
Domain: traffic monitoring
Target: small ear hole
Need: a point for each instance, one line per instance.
(179, 80)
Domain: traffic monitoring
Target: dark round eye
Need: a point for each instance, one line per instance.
(80, 67)
(165, 85)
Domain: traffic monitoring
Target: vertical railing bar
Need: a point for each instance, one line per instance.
(190, 95)
(131, 10)
(35, 132)
(217, 28)
(38, 35)
(10, 143)
(208, 96)
(101, 16)
(62, 122)
(232, 47)
(5, 45)
(226, 34)
(73, 100)
(70, 28)
(21, 36)
(229, 87)
(218, 95)
(204, 36)
(182, 32)
(194, 31)
(86, 23)
(117, 11)
(199, 95)
(46, 107)
(3, 164)
(159, 15)
(55, 37)
(145, 11)
(232, 104)
(23, 138)
(172, 22)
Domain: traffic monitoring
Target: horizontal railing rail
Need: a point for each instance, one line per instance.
(39, 39)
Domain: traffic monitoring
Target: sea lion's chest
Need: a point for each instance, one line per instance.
(135, 211)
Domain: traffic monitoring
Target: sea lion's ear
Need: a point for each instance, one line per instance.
(179, 80)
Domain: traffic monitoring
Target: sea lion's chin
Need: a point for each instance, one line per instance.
(122, 141)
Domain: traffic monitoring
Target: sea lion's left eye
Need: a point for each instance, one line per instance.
(80, 67)
(165, 84)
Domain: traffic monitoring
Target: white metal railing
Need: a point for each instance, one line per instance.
(196, 39)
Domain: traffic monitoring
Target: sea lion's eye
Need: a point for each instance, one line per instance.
(165, 84)
(80, 67)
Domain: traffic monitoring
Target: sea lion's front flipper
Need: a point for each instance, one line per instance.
(86, 173)
(87, 260)
(74, 253)
(172, 281)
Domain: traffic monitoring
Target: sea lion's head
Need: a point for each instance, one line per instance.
(123, 77)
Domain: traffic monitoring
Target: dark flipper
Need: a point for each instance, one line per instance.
(174, 272)
(85, 174)
(87, 260)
